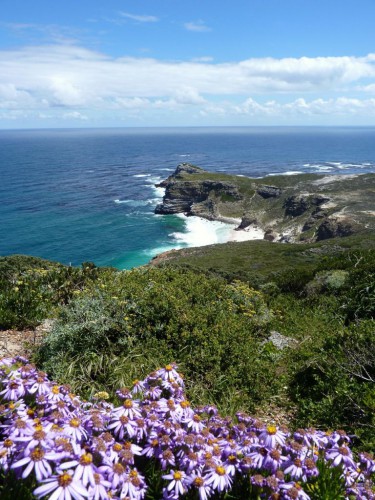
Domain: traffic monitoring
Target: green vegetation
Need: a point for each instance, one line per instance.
(32, 288)
(286, 331)
(143, 318)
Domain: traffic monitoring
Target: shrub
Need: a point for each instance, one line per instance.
(335, 383)
(31, 288)
(214, 330)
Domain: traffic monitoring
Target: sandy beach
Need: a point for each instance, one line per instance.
(250, 233)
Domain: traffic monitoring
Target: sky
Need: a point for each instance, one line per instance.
(162, 63)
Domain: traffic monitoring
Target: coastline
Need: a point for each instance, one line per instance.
(199, 231)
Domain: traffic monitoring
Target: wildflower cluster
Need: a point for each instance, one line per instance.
(69, 448)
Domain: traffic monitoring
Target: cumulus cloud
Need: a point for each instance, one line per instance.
(75, 79)
(75, 75)
(301, 106)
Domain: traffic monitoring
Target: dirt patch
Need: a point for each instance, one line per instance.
(22, 342)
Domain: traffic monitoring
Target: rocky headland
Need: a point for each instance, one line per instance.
(287, 208)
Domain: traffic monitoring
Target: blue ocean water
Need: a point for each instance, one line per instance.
(89, 195)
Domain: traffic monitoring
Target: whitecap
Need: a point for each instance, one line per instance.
(322, 168)
(132, 203)
(153, 180)
(153, 252)
(289, 172)
(121, 201)
(142, 175)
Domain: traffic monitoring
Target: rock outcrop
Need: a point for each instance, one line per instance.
(303, 207)
(336, 227)
(192, 196)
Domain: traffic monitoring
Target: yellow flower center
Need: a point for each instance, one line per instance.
(117, 447)
(86, 459)
(55, 389)
(169, 368)
(128, 403)
(220, 470)
(37, 454)
(271, 429)
(75, 422)
(198, 482)
(118, 469)
(185, 404)
(177, 476)
(8, 443)
(64, 479)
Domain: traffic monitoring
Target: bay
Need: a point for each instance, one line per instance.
(76, 195)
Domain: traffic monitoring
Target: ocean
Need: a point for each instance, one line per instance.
(89, 194)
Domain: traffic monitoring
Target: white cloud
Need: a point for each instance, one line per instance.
(199, 26)
(300, 106)
(188, 95)
(368, 88)
(69, 78)
(133, 102)
(75, 115)
(140, 18)
(76, 76)
(203, 59)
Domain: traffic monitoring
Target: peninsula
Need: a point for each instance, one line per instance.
(286, 208)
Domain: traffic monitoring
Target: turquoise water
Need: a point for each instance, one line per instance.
(89, 195)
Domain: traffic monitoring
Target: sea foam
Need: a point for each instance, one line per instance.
(201, 232)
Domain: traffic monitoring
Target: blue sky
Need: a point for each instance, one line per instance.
(91, 63)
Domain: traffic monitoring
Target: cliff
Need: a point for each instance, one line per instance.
(305, 207)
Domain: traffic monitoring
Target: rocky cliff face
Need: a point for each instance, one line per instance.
(304, 207)
(186, 192)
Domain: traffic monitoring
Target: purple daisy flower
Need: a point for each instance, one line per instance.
(61, 487)
(341, 455)
(199, 483)
(99, 491)
(219, 479)
(271, 436)
(84, 469)
(134, 487)
(178, 482)
(37, 460)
